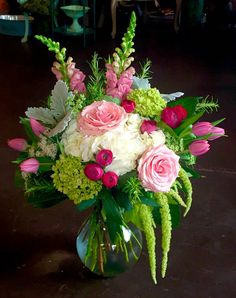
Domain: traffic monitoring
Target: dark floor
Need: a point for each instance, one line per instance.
(37, 247)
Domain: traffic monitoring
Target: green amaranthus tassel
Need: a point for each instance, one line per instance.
(187, 188)
(147, 225)
(174, 195)
(166, 230)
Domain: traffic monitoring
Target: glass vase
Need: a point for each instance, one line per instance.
(103, 257)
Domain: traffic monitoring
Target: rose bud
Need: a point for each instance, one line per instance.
(104, 157)
(93, 171)
(128, 105)
(110, 179)
(202, 128)
(148, 126)
(37, 127)
(18, 144)
(217, 133)
(199, 147)
(30, 165)
(173, 116)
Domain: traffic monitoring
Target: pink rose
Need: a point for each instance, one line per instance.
(93, 171)
(76, 81)
(110, 179)
(100, 117)
(18, 144)
(173, 116)
(199, 147)
(148, 126)
(30, 165)
(158, 169)
(128, 105)
(104, 157)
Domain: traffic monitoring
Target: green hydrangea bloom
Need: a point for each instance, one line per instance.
(173, 143)
(149, 102)
(69, 178)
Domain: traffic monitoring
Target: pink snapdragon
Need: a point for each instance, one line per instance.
(18, 144)
(76, 81)
(148, 126)
(158, 168)
(104, 157)
(199, 147)
(100, 117)
(30, 165)
(110, 179)
(173, 116)
(93, 171)
(37, 127)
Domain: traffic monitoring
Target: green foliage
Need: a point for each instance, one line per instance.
(28, 130)
(76, 102)
(133, 189)
(85, 204)
(207, 105)
(187, 187)
(145, 72)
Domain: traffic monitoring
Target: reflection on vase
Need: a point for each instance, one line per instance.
(103, 257)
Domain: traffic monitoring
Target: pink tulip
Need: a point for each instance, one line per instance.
(30, 165)
(18, 144)
(202, 128)
(128, 105)
(110, 179)
(104, 157)
(148, 126)
(37, 127)
(199, 147)
(93, 171)
(217, 133)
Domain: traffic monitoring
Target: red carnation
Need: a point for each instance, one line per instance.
(173, 116)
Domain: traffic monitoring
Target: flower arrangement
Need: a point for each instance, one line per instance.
(117, 146)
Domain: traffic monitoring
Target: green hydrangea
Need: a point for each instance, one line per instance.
(69, 178)
(173, 143)
(149, 102)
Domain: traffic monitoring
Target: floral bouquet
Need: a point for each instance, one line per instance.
(116, 146)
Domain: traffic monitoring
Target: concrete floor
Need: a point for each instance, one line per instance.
(37, 247)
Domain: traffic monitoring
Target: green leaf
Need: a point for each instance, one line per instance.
(45, 199)
(28, 130)
(167, 128)
(174, 212)
(187, 122)
(191, 172)
(85, 204)
(122, 200)
(149, 201)
(111, 99)
(122, 179)
(218, 121)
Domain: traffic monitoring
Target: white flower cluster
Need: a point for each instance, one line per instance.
(127, 144)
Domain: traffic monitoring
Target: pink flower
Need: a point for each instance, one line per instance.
(128, 105)
(202, 128)
(37, 127)
(93, 171)
(111, 79)
(76, 81)
(217, 133)
(104, 157)
(199, 147)
(56, 70)
(100, 117)
(173, 116)
(110, 179)
(158, 168)
(18, 144)
(70, 69)
(30, 165)
(148, 126)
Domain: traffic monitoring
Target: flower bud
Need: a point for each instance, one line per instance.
(217, 133)
(18, 144)
(30, 165)
(110, 179)
(104, 157)
(202, 128)
(148, 126)
(199, 147)
(37, 127)
(93, 171)
(128, 105)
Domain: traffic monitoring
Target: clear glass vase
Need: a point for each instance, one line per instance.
(101, 256)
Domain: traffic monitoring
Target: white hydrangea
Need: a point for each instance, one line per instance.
(126, 143)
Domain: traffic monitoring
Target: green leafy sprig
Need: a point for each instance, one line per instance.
(145, 72)
(207, 105)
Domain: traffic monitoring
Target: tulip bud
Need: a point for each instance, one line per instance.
(110, 179)
(128, 105)
(202, 128)
(93, 171)
(199, 147)
(18, 144)
(37, 127)
(104, 157)
(30, 165)
(217, 133)
(148, 126)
